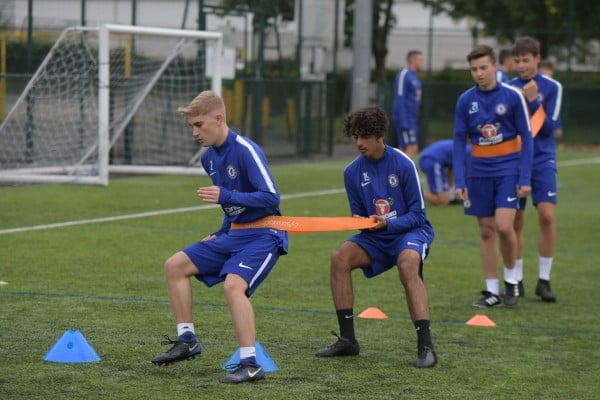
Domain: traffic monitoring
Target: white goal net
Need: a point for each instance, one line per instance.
(104, 100)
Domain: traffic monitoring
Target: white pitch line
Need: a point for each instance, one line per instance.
(151, 213)
(581, 161)
(593, 160)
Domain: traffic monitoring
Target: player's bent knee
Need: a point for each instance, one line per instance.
(234, 284)
(343, 261)
(408, 271)
(179, 265)
(409, 264)
(338, 258)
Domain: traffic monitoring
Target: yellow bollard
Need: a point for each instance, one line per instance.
(229, 103)
(290, 118)
(238, 104)
(266, 112)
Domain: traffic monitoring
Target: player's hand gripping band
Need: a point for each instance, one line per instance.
(309, 224)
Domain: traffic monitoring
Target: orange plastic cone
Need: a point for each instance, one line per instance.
(372, 313)
(480, 320)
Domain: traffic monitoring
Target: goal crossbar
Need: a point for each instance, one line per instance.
(109, 132)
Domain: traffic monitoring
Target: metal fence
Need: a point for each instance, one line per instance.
(293, 118)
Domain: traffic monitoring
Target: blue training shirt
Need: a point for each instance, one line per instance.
(406, 100)
(550, 97)
(388, 187)
(487, 118)
(501, 75)
(248, 190)
(441, 151)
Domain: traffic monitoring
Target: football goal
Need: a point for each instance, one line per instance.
(104, 100)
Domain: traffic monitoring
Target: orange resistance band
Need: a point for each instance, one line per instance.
(537, 120)
(497, 150)
(309, 224)
(510, 146)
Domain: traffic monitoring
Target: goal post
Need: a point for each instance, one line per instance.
(104, 100)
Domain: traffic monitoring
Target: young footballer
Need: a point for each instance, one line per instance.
(382, 182)
(240, 258)
(493, 118)
(543, 94)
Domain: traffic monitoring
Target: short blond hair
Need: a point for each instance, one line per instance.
(206, 102)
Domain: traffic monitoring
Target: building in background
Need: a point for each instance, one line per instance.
(449, 39)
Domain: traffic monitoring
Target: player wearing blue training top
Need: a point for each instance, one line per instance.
(505, 65)
(546, 68)
(436, 163)
(244, 188)
(493, 117)
(382, 183)
(544, 93)
(406, 102)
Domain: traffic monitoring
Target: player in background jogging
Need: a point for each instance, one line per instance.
(493, 118)
(541, 92)
(406, 102)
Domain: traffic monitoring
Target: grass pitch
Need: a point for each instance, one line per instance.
(103, 275)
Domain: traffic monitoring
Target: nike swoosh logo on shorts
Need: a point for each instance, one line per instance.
(551, 194)
(510, 199)
(242, 265)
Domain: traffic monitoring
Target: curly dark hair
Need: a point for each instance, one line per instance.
(365, 122)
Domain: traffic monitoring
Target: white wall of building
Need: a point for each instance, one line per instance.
(451, 40)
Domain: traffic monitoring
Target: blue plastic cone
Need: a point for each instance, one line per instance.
(262, 357)
(72, 348)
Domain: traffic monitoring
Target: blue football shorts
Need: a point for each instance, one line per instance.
(437, 177)
(407, 136)
(543, 185)
(250, 256)
(384, 252)
(488, 194)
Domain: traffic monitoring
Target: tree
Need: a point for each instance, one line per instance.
(275, 10)
(557, 24)
(383, 21)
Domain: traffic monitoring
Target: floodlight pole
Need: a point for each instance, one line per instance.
(361, 43)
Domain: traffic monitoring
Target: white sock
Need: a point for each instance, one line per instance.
(545, 267)
(492, 286)
(509, 276)
(246, 352)
(185, 327)
(518, 272)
